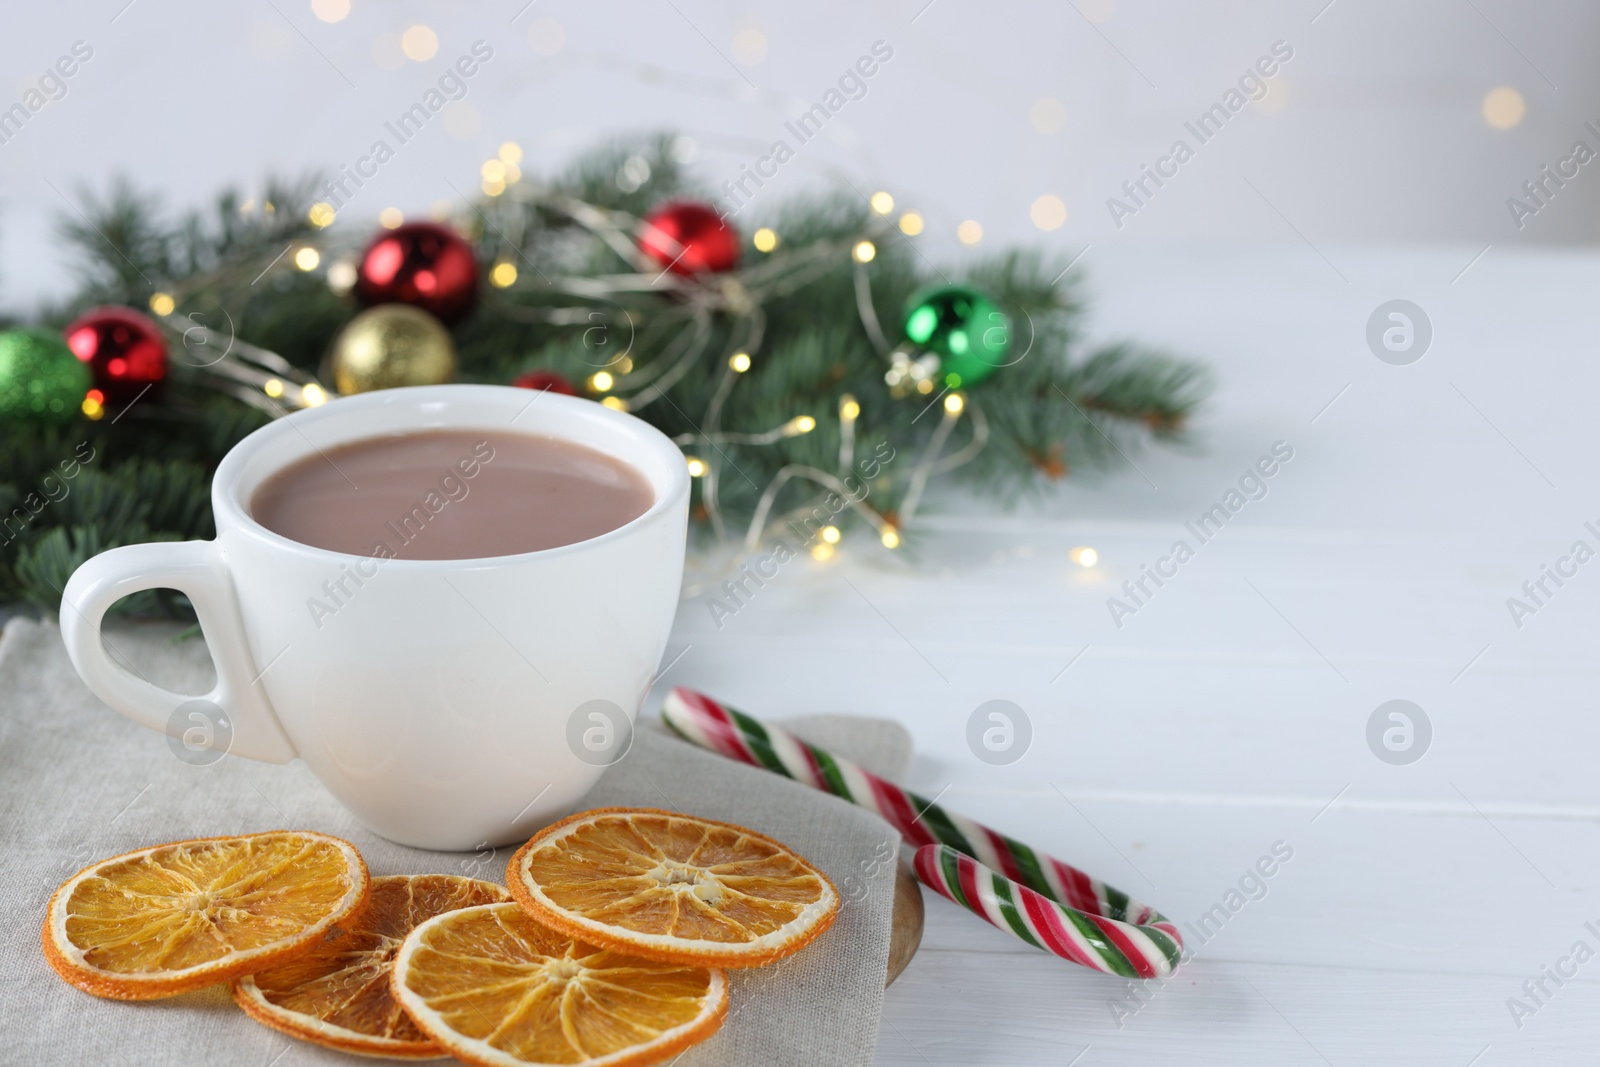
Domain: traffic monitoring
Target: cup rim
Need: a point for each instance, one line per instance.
(227, 501)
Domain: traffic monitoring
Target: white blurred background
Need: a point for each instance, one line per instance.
(1391, 123)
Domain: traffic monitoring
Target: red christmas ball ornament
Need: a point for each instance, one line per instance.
(687, 237)
(545, 381)
(422, 264)
(124, 350)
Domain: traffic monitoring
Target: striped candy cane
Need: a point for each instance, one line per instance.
(1045, 902)
(1128, 949)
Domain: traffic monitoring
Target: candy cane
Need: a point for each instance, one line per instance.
(1040, 899)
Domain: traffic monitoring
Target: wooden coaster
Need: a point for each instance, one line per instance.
(906, 926)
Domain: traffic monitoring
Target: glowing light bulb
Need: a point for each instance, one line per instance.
(849, 410)
(890, 537)
(740, 362)
(503, 275)
(822, 551)
(831, 534)
(273, 387)
(307, 258)
(313, 395)
(419, 43)
(321, 215)
(1503, 107)
(765, 239)
(390, 218)
(510, 153)
(493, 170)
(162, 303)
(798, 425)
(615, 403)
(911, 224)
(341, 276)
(969, 232)
(954, 403)
(600, 381)
(330, 10)
(1048, 212)
(864, 251)
(882, 202)
(697, 466)
(1084, 556)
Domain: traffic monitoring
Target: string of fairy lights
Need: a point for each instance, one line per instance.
(269, 382)
(627, 386)
(266, 381)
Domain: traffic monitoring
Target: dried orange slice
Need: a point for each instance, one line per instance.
(338, 993)
(168, 919)
(672, 887)
(495, 987)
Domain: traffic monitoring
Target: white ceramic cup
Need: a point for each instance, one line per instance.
(438, 700)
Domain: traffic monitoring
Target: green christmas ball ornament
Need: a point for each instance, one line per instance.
(40, 378)
(967, 330)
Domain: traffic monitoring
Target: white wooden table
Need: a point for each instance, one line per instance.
(1230, 713)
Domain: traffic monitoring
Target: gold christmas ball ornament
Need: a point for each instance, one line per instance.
(388, 346)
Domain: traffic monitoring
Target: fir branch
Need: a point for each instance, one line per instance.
(1053, 409)
(43, 567)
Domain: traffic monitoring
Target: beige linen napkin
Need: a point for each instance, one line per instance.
(79, 782)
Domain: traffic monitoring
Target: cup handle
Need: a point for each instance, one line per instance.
(196, 569)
